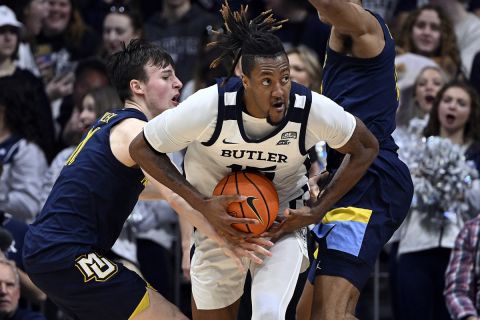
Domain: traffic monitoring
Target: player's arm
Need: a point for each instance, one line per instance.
(345, 133)
(120, 138)
(348, 18)
(360, 151)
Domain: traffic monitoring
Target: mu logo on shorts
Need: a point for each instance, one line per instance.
(96, 267)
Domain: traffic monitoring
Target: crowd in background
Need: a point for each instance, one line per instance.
(54, 84)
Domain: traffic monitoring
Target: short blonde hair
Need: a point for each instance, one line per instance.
(13, 267)
(312, 64)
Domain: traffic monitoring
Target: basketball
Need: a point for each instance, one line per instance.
(262, 199)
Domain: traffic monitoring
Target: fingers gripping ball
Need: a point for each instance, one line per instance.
(261, 203)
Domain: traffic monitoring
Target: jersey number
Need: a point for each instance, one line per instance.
(79, 148)
(269, 172)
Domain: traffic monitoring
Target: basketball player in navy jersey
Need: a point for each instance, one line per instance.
(94, 194)
(264, 122)
(359, 74)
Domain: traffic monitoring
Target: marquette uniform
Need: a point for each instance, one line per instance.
(222, 138)
(81, 219)
(366, 217)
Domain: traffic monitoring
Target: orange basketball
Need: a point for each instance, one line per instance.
(261, 203)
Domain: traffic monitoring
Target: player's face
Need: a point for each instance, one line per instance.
(117, 28)
(268, 88)
(88, 113)
(58, 16)
(8, 41)
(162, 89)
(298, 70)
(428, 84)
(454, 110)
(9, 291)
(426, 32)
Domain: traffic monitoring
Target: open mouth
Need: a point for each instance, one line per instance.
(450, 118)
(279, 105)
(429, 99)
(176, 99)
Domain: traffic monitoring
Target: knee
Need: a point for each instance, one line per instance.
(268, 308)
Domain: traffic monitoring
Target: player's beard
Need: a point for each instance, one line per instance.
(270, 121)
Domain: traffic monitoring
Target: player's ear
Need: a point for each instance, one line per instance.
(136, 87)
(245, 80)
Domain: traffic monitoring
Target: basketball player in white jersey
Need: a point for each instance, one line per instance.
(261, 122)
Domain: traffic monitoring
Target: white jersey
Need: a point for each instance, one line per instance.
(221, 138)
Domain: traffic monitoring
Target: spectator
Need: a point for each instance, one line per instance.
(462, 282)
(178, 29)
(305, 67)
(427, 84)
(33, 94)
(10, 294)
(429, 32)
(23, 162)
(121, 24)
(425, 243)
(89, 74)
(32, 13)
(64, 39)
(467, 29)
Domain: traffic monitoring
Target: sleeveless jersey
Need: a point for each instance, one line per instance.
(89, 202)
(367, 89)
(280, 155)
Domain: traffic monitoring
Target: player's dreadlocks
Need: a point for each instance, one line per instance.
(247, 38)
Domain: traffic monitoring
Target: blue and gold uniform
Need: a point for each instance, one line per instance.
(354, 232)
(81, 220)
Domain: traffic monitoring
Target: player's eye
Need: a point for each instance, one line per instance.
(266, 82)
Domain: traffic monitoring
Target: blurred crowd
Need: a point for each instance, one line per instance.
(54, 84)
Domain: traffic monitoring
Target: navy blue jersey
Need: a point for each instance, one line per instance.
(366, 88)
(89, 202)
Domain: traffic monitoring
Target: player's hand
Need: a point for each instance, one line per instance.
(317, 183)
(251, 248)
(216, 213)
(294, 219)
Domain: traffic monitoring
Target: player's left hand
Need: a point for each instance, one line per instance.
(294, 219)
(251, 248)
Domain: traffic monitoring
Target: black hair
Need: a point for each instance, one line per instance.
(247, 38)
(129, 63)
(89, 64)
(19, 111)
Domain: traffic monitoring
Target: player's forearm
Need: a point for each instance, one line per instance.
(159, 166)
(360, 152)
(194, 217)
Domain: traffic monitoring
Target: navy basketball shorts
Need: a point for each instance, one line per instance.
(95, 288)
(352, 235)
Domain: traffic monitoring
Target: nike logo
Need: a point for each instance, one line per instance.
(252, 206)
(228, 142)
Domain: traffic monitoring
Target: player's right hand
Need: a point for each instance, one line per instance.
(215, 210)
